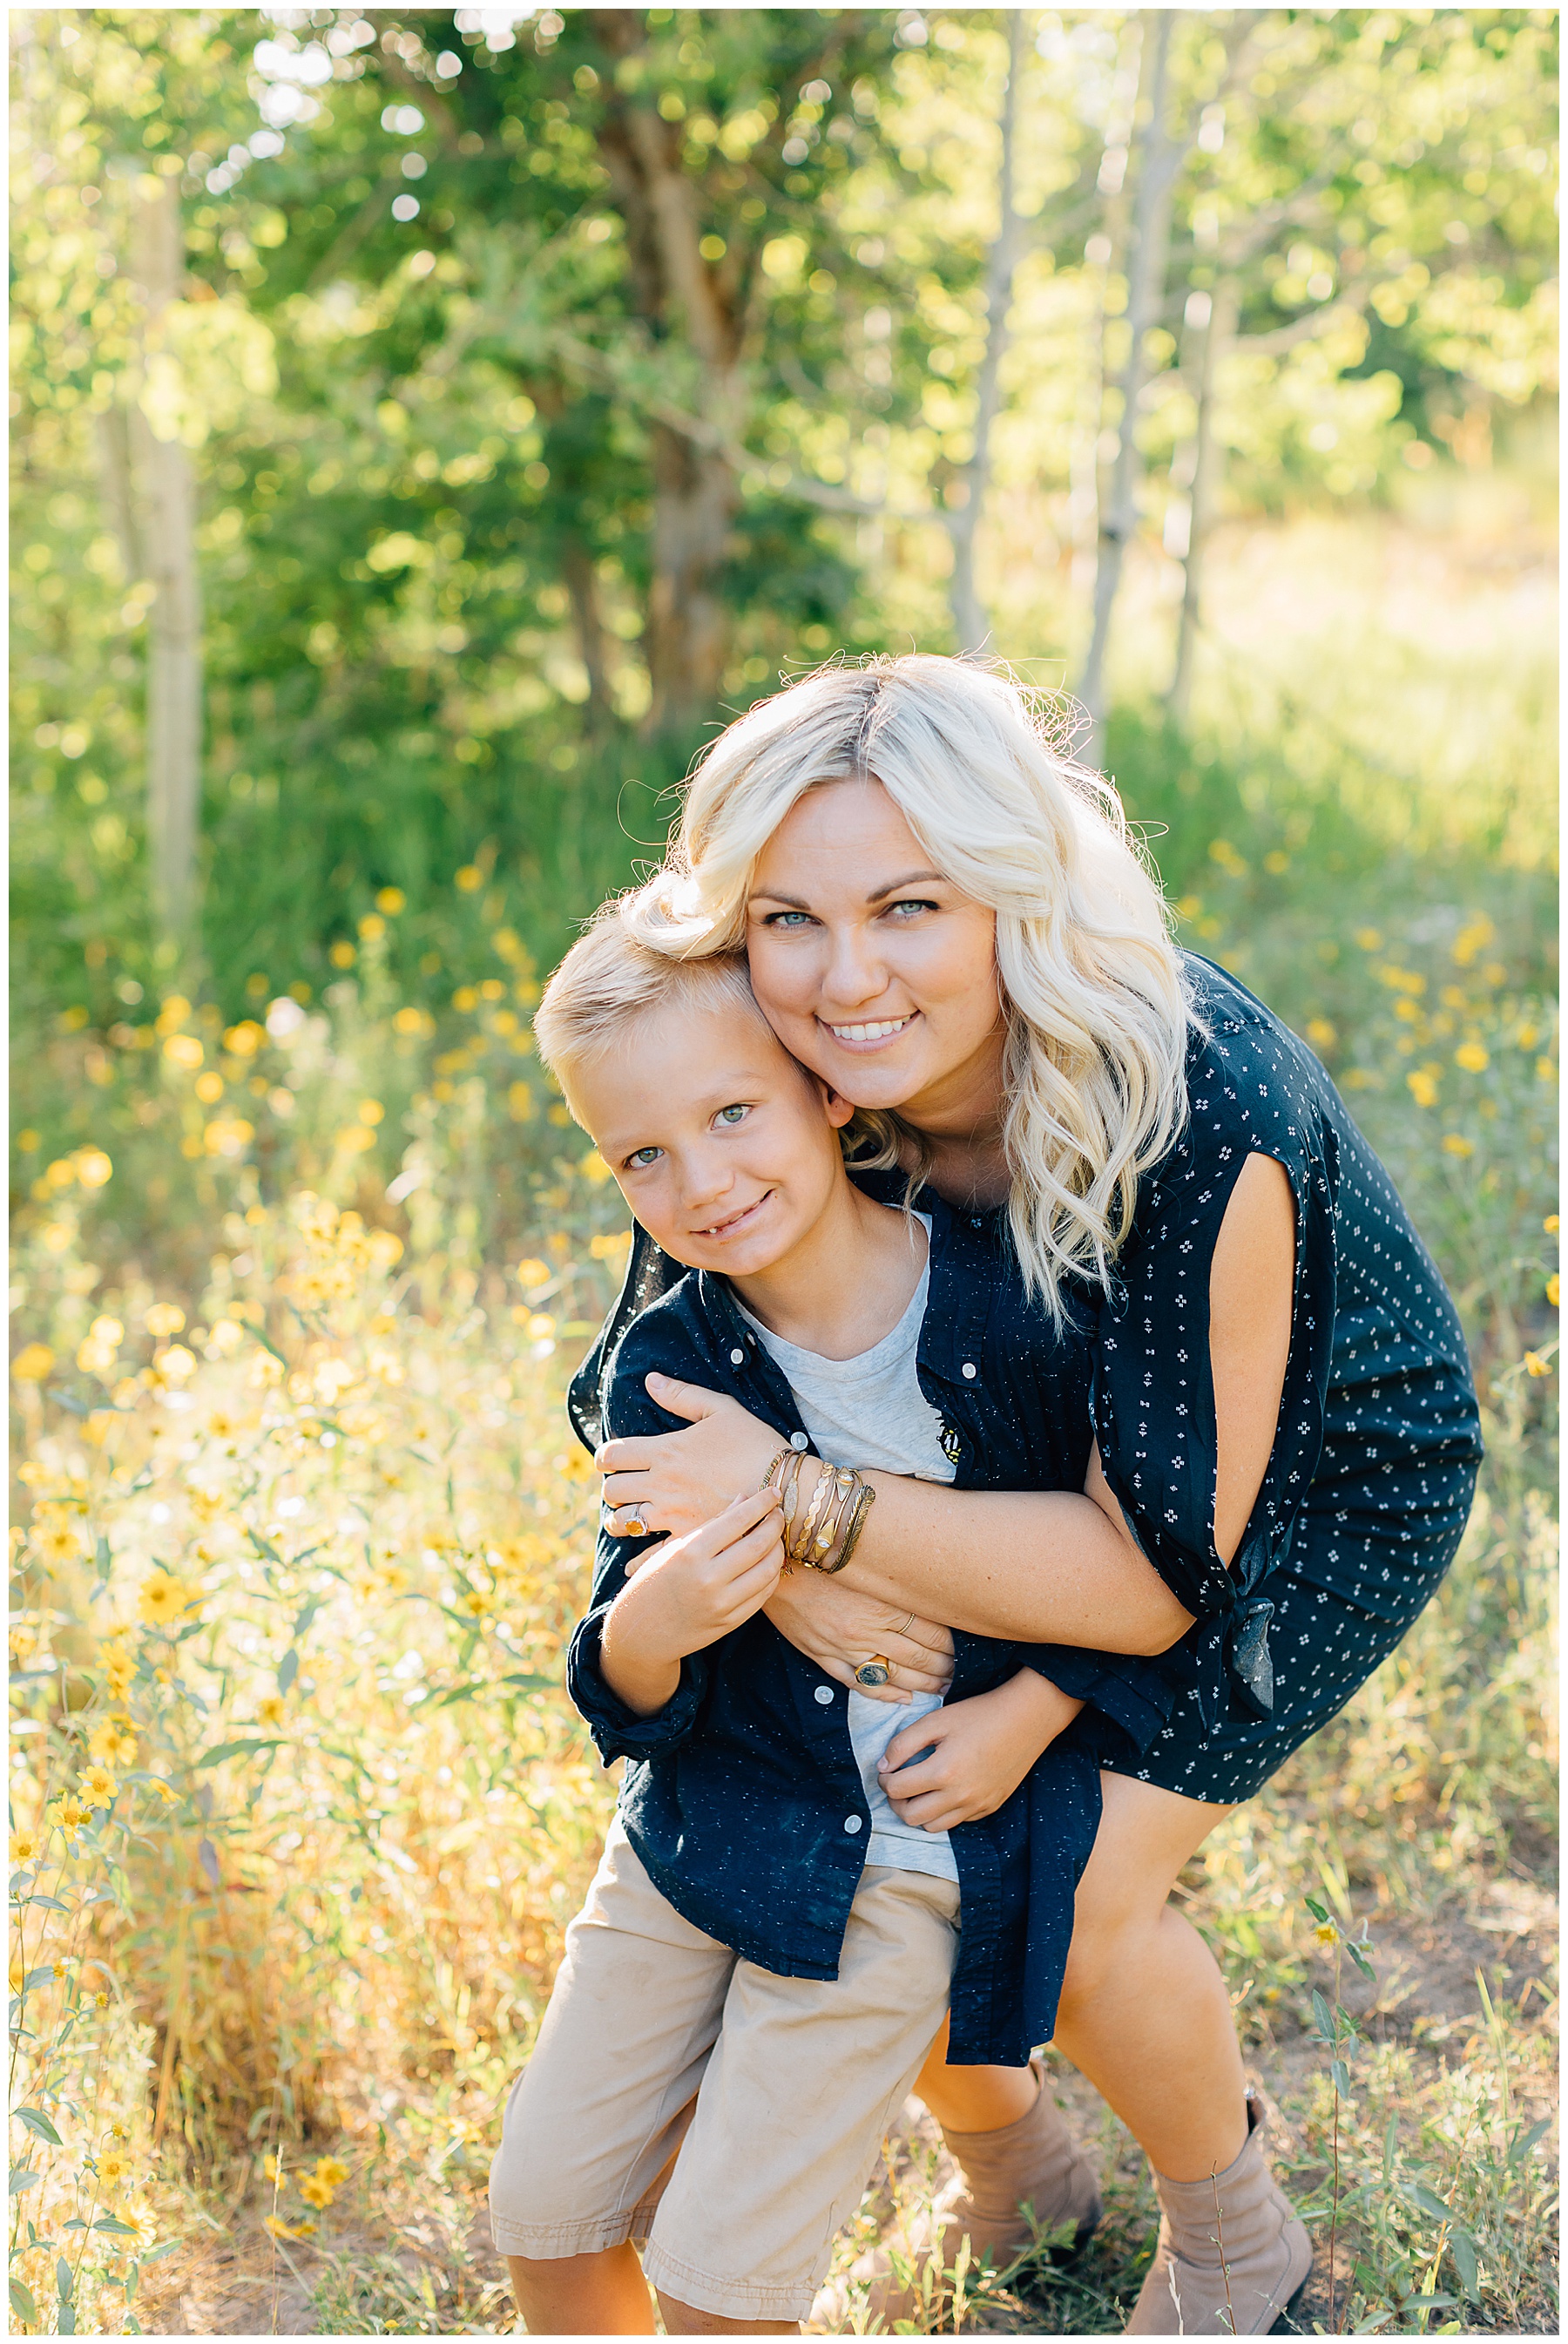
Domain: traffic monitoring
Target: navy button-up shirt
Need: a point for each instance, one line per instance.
(742, 1797)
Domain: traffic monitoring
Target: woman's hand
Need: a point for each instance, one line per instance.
(983, 1749)
(675, 1481)
(838, 1629)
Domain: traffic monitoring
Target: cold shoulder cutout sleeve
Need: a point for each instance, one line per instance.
(1251, 1089)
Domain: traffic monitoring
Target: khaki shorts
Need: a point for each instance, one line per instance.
(794, 2080)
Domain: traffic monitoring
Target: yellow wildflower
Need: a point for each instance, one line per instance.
(113, 2168)
(1326, 1933)
(24, 1847)
(98, 1786)
(164, 1319)
(1534, 1365)
(390, 900)
(1473, 1056)
(270, 1709)
(1322, 1033)
(71, 1816)
(163, 1598)
(112, 1741)
(1551, 1224)
(1422, 1086)
(316, 2192)
(271, 2166)
(1369, 939)
(330, 2170)
(1473, 939)
(276, 2228)
(1454, 1143)
(32, 1363)
(1553, 1289)
(120, 1670)
(57, 1539)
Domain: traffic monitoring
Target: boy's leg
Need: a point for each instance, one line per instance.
(583, 2295)
(803, 2081)
(597, 2111)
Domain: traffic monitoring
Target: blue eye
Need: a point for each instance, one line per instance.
(911, 903)
(640, 1157)
(731, 1115)
(788, 920)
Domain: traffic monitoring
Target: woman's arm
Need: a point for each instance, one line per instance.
(1036, 1567)
(1043, 1567)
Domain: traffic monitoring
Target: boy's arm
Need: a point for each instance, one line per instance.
(638, 1667)
(981, 1750)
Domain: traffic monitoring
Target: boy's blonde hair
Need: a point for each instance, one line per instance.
(609, 981)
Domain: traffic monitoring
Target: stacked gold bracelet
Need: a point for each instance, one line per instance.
(829, 1521)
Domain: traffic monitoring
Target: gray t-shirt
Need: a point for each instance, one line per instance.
(870, 1411)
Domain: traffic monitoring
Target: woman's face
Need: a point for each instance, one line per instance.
(877, 972)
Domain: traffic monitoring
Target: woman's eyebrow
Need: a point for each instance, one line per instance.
(878, 894)
(909, 879)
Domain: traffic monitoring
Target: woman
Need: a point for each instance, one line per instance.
(947, 924)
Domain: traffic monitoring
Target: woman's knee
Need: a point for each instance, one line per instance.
(1146, 1837)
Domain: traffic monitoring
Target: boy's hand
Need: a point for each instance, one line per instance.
(984, 1748)
(686, 1594)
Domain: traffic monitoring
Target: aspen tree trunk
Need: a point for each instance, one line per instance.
(167, 534)
(1207, 466)
(696, 493)
(971, 625)
(1149, 244)
(582, 586)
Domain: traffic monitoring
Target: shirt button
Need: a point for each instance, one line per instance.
(824, 1694)
(971, 1371)
(851, 1825)
(738, 1358)
(798, 1441)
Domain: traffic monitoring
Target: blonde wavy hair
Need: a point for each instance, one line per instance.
(1096, 1001)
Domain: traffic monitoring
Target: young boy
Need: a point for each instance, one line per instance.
(769, 1945)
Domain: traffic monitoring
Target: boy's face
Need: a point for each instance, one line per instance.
(725, 1149)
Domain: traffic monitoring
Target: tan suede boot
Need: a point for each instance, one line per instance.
(1030, 2167)
(1231, 2255)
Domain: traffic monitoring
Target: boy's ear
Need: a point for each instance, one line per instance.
(837, 1109)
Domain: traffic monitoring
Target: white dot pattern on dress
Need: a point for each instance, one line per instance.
(1373, 1466)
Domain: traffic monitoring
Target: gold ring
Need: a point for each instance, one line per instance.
(908, 1625)
(874, 1672)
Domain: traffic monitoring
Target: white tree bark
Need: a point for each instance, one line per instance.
(1149, 244)
(1200, 475)
(970, 624)
(162, 514)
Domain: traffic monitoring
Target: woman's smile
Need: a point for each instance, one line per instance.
(871, 1036)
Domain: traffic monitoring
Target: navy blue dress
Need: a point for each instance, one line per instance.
(1373, 1467)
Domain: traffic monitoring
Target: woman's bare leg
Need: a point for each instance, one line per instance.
(583, 2295)
(1144, 2012)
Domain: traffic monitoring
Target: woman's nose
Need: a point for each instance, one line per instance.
(855, 975)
